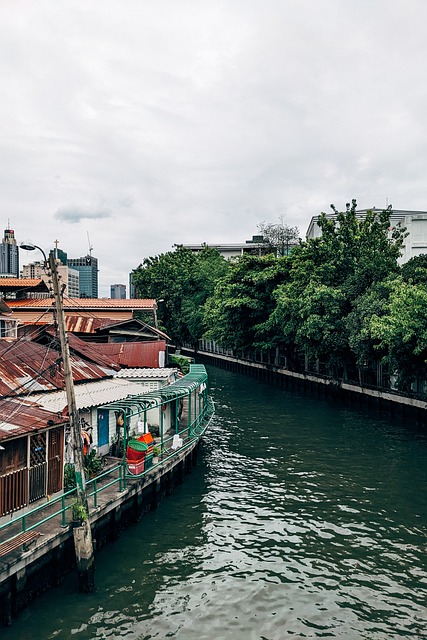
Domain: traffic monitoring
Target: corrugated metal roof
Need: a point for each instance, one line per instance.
(88, 350)
(84, 304)
(18, 417)
(91, 394)
(80, 324)
(146, 373)
(120, 326)
(134, 354)
(27, 365)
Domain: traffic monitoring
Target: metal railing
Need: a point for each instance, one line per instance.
(60, 506)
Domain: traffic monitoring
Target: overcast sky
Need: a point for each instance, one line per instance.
(142, 124)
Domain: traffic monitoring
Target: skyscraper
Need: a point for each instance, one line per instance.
(88, 272)
(118, 291)
(9, 255)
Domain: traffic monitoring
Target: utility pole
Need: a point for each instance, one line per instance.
(82, 535)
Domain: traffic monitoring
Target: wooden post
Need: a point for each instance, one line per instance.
(83, 541)
(84, 557)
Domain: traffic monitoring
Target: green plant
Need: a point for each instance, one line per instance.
(182, 362)
(69, 477)
(92, 464)
(78, 511)
(157, 451)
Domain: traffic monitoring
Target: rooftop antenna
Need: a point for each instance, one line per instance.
(90, 246)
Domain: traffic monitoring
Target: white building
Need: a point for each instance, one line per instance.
(100, 423)
(69, 276)
(256, 246)
(415, 223)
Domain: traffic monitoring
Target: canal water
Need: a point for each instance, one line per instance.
(301, 520)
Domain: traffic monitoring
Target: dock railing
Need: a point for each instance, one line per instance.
(58, 508)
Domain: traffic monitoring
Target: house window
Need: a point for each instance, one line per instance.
(8, 328)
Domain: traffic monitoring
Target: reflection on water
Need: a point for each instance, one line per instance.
(302, 520)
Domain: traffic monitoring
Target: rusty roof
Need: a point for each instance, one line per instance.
(27, 366)
(134, 354)
(83, 324)
(18, 417)
(85, 304)
(88, 350)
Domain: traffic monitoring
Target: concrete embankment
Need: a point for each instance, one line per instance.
(24, 575)
(378, 400)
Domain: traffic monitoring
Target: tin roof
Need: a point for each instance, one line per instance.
(90, 394)
(88, 350)
(145, 373)
(28, 366)
(84, 304)
(18, 417)
(83, 324)
(133, 354)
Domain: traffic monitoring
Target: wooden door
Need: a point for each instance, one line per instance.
(55, 460)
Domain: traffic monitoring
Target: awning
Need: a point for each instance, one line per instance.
(137, 404)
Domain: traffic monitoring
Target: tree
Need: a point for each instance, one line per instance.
(183, 280)
(402, 331)
(327, 276)
(243, 300)
(415, 270)
(280, 236)
(363, 344)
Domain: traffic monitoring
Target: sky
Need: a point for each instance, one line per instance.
(131, 126)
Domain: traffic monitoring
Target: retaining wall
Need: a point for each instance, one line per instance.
(28, 574)
(376, 400)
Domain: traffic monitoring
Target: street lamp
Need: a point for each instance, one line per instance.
(29, 246)
(83, 543)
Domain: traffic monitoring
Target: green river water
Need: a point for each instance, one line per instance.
(301, 520)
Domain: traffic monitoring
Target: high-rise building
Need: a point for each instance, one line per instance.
(88, 272)
(9, 255)
(118, 291)
(70, 277)
(132, 289)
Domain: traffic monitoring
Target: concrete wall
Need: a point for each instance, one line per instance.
(29, 574)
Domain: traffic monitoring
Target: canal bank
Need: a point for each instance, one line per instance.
(371, 399)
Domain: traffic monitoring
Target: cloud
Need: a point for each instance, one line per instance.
(74, 214)
(193, 121)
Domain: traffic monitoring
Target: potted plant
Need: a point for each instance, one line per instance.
(156, 453)
(78, 513)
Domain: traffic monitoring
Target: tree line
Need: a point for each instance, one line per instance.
(339, 304)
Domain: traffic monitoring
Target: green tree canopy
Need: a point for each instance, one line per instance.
(415, 270)
(328, 274)
(243, 300)
(402, 331)
(183, 280)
